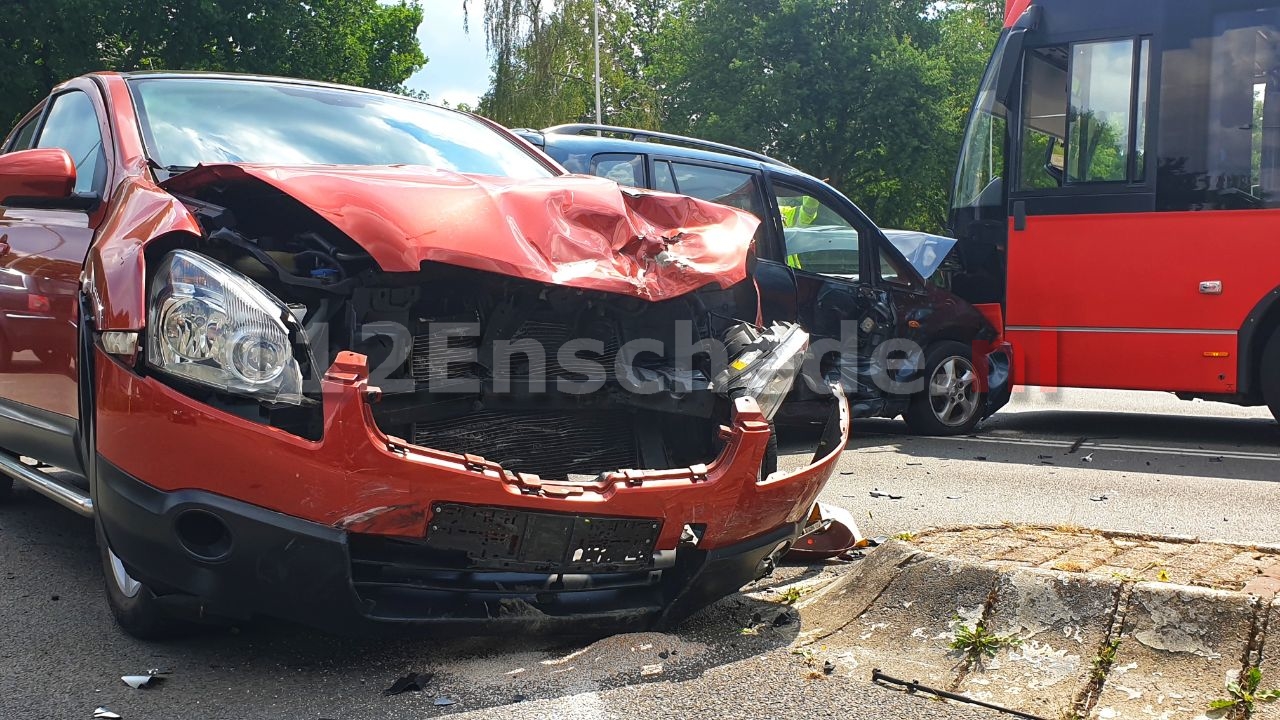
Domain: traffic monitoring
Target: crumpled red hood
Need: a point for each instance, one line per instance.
(578, 231)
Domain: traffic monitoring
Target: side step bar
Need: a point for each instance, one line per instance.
(66, 495)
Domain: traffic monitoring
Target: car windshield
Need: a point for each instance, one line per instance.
(191, 121)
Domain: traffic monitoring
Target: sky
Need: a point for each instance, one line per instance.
(458, 69)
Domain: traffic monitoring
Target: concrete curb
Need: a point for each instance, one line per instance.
(1088, 645)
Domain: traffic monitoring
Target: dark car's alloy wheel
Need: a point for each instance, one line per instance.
(951, 401)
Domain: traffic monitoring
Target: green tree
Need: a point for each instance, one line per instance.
(358, 42)
(546, 74)
(850, 90)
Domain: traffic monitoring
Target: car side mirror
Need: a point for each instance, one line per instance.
(36, 177)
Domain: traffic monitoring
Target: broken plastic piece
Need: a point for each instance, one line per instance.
(137, 682)
(828, 667)
(444, 701)
(878, 493)
(104, 714)
(1099, 498)
(650, 670)
(413, 682)
(830, 531)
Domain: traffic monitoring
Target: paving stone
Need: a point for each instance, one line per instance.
(906, 631)
(1032, 554)
(1062, 621)
(840, 603)
(1142, 560)
(1270, 664)
(1083, 558)
(1179, 648)
(1263, 586)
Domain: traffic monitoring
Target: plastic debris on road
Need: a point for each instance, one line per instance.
(104, 714)
(151, 679)
(413, 682)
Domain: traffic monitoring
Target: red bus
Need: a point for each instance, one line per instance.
(1119, 194)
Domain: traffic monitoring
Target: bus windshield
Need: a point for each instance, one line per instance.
(982, 156)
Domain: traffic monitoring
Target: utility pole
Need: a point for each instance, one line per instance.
(596, 11)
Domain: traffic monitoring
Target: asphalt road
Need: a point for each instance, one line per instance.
(1162, 465)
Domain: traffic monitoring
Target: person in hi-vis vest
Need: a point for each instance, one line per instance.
(798, 216)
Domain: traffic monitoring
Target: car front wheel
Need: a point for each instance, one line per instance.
(134, 605)
(952, 400)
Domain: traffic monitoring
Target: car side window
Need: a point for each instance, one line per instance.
(663, 177)
(24, 136)
(73, 126)
(891, 271)
(622, 168)
(727, 187)
(818, 239)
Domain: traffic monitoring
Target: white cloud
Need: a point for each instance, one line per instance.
(458, 70)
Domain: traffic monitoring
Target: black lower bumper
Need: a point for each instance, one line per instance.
(259, 562)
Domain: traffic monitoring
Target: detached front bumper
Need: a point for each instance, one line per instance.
(345, 534)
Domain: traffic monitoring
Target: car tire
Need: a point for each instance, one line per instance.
(951, 402)
(1269, 375)
(6, 488)
(134, 605)
(6, 353)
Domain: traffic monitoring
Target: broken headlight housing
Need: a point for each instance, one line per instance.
(764, 365)
(210, 325)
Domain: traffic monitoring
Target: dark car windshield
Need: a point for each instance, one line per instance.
(206, 120)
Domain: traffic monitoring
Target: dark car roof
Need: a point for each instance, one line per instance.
(592, 144)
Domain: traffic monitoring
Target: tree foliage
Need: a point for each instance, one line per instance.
(544, 65)
(359, 42)
(870, 95)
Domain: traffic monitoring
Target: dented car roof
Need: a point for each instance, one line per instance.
(577, 231)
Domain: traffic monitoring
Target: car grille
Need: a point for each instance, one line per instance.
(550, 335)
(457, 353)
(553, 445)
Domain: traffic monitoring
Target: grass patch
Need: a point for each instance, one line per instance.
(978, 643)
(1244, 695)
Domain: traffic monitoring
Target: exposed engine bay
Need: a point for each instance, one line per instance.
(549, 380)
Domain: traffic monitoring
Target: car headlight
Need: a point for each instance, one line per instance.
(211, 325)
(765, 365)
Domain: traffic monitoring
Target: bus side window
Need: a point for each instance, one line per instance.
(1220, 101)
(1084, 110)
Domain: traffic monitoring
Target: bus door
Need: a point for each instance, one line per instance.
(1119, 190)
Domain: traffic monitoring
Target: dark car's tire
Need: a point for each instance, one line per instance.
(951, 402)
(133, 604)
(6, 353)
(1269, 374)
(6, 488)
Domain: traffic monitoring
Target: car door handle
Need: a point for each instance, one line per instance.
(1211, 287)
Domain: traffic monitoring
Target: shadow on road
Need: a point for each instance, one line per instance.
(272, 669)
(1186, 445)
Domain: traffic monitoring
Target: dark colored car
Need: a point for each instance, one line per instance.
(906, 345)
(348, 359)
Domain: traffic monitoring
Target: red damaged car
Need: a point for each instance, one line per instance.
(349, 359)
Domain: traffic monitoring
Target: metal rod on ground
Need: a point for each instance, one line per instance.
(913, 686)
(596, 22)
